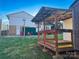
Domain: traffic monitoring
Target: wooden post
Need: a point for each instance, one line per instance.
(0, 32)
(38, 32)
(7, 29)
(38, 26)
(44, 34)
(56, 35)
(24, 26)
(0, 27)
(72, 38)
(56, 39)
(44, 25)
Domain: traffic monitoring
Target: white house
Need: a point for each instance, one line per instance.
(16, 22)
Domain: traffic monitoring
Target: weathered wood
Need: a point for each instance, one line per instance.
(46, 12)
(75, 10)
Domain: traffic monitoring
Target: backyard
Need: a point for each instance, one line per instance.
(21, 48)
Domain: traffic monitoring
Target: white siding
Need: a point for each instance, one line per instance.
(16, 19)
(17, 30)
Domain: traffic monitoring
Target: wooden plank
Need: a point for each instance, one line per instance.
(60, 48)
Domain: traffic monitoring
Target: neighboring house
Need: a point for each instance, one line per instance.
(75, 12)
(3, 27)
(17, 20)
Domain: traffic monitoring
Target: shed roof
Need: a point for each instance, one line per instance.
(46, 12)
(62, 16)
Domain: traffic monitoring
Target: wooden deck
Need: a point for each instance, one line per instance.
(61, 48)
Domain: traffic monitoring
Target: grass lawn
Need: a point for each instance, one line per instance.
(60, 36)
(21, 48)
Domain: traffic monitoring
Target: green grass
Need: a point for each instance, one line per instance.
(21, 48)
(60, 36)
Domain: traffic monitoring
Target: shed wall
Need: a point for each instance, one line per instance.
(75, 10)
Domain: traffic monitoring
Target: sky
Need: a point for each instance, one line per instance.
(30, 6)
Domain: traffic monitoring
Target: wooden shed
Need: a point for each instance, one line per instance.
(75, 13)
